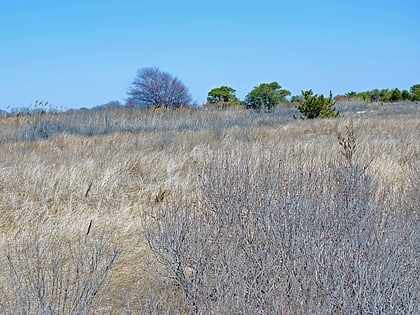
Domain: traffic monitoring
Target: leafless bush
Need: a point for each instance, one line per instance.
(46, 275)
(411, 165)
(276, 201)
(155, 88)
(267, 239)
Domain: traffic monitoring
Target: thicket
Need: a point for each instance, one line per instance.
(386, 95)
(42, 273)
(267, 238)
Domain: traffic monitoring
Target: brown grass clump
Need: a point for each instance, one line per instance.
(209, 211)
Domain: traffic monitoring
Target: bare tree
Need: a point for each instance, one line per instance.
(154, 88)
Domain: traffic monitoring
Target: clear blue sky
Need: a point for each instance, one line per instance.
(78, 53)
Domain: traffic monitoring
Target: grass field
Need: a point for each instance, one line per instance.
(118, 211)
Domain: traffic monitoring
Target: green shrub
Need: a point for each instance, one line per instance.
(415, 92)
(405, 95)
(396, 95)
(314, 106)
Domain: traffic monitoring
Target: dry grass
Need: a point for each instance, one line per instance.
(109, 170)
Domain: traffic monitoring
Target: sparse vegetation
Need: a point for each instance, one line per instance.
(122, 211)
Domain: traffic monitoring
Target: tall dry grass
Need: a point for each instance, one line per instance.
(209, 212)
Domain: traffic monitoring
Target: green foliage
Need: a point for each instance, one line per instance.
(396, 95)
(365, 96)
(266, 96)
(405, 95)
(223, 96)
(375, 95)
(385, 95)
(295, 98)
(415, 92)
(351, 95)
(314, 106)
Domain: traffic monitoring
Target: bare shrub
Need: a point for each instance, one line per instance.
(277, 222)
(45, 275)
(347, 143)
(411, 165)
(266, 239)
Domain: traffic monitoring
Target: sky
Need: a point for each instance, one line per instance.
(85, 53)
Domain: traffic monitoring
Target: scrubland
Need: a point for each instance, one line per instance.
(118, 211)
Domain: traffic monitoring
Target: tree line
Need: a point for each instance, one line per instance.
(153, 88)
(385, 95)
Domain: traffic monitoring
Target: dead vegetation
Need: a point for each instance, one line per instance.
(211, 212)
